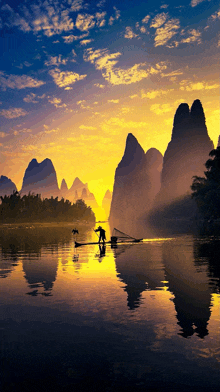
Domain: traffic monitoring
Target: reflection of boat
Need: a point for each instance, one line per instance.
(118, 237)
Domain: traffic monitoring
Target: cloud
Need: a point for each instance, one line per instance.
(161, 109)
(194, 3)
(100, 19)
(125, 110)
(76, 5)
(48, 131)
(113, 100)
(154, 93)
(85, 22)
(172, 74)
(129, 33)
(164, 6)
(86, 41)
(99, 85)
(68, 39)
(159, 20)
(142, 29)
(196, 86)
(115, 17)
(106, 62)
(64, 79)
(111, 126)
(18, 82)
(50, 18)
(30, 98)
(25, 63)
(87, 127)
(3, 134)
(194, 36)
(13, 113)
(146, 19)
(133, 96)
(30, 147)
(57, 102)
(166, 32)
(82, 104)
(55, 61)
(216, 15)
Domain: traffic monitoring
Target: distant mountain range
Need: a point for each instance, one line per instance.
(41, 178)
(145, 183)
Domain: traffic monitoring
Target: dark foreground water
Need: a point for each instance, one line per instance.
(140, 317)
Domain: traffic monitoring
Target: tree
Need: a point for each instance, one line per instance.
(206, 190)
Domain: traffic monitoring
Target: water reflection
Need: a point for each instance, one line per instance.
(206, 253)
(112, 318)
(191, 289)
(33, 246)
(101, 254)
(139, 267)
(40, 273)
(188, 268)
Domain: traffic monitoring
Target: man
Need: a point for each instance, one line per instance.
(101, 234)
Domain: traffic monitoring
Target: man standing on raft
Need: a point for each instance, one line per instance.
(101, 234)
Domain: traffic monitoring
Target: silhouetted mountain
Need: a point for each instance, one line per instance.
(40, 178)
(77, 186)
(91, 200)
(64, 189)
(186, 153)
(84, 194)
(106, 202)
(7, 187)
(79, 190)
(137, 181)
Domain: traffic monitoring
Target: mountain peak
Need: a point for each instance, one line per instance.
(133, 154)
(197, 112)
(32, 164)
(7, 187)
(77, 182)
(64, 186)
(108, 194)
(181, 115)
(154, 159)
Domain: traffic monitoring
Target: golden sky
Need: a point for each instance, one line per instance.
(77, 77)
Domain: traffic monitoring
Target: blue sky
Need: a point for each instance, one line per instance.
(76, 77)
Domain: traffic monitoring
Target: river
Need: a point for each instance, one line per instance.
(137, 317)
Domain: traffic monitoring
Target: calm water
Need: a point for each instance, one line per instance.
(139, 317)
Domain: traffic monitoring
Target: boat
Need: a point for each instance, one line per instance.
(118, 237)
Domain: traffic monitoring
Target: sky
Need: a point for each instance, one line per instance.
(77, 76)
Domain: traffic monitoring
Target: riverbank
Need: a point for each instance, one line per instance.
(33, 225)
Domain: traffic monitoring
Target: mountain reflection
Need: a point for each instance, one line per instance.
(190, 287)
(37, 249)
(207, 254)
(136, 267)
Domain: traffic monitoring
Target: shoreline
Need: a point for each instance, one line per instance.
(33, 225)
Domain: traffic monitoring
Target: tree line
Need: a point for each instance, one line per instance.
(206, 190)
(31, 207)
